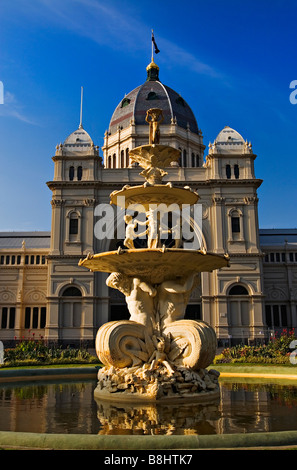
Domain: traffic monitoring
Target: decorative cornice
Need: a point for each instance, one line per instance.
(213, 183)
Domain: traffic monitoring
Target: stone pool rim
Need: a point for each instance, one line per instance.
(45, 441)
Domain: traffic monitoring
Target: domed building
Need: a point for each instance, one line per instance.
(129, 128)
(42, 288)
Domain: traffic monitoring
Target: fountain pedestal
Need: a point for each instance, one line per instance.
(156, 355)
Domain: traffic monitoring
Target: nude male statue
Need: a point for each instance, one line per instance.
(139, 297)
(173, 298)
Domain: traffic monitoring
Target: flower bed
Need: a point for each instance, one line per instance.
(277, 351)
(32, 352)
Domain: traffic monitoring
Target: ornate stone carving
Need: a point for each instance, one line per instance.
(156, 354)
(57, 202)
(7, 296)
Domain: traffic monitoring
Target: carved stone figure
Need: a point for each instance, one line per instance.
(130, 231)
(159, 357)
(173, 298)
(154, 117)
(156, 354)
(139, 297)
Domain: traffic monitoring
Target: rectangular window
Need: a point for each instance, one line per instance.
(284, 318)
(276, 315)
(235, 224)
(272, 257)
(268, 315)
(4, 317)
(283, 257)
(276, 321)
(8, 317)
(2, 259)
(11, 317)
(19, 258)
(27, 317)
(42, 317)
(35, 317)
(73, 229)
(277, 257)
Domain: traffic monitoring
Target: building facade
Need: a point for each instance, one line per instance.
(44, 292)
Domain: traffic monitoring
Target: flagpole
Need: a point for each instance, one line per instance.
(152, 46)
(81, 104)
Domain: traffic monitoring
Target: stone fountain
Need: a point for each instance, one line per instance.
(156, 355)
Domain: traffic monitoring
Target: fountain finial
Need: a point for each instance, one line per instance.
(154, 156)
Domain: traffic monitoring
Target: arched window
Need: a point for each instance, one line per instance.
(70, 313)
(239, 312)
(127, 158)
(235, 223)
(71, 173)
(238, 289)
(228, 171)
(180, 100)
(114, 161)
(71, 291)
(122, 159)
(236, 171)
(152, 96)
(73, 225)
(193, 160)
(184, 158)
(125, 102)
(79, 173)
(180, 162)
(109, 161)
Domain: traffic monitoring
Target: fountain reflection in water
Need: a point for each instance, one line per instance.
(157, 419)
(64, 407)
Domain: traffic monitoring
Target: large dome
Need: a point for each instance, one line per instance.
(153, 94)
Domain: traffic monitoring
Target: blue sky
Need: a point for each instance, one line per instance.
(231, 61)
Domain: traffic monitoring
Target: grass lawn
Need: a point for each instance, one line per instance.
(256, 368)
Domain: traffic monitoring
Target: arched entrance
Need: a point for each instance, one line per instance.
(238, 314)
(70, 315)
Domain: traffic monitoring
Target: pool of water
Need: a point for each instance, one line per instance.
(70, 407)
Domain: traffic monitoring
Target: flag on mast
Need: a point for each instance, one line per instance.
(154, 43)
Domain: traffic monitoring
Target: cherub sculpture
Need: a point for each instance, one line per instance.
(159, 357)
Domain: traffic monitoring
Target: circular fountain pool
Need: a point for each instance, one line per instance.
(69, 407)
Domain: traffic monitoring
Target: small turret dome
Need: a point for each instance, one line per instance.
(78, 141)
(228, 141)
